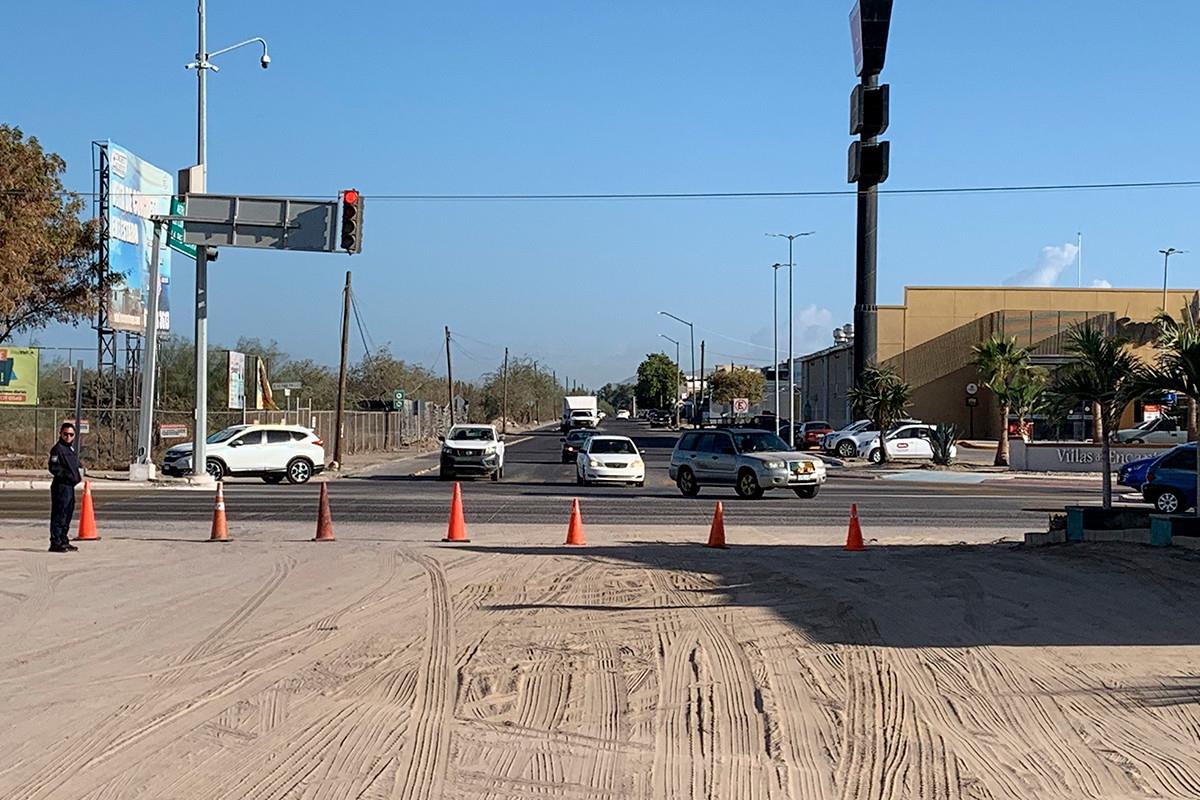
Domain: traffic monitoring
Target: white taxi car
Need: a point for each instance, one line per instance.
(903, 442)
(610, 459)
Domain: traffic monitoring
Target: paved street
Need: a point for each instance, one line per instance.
(537, 488)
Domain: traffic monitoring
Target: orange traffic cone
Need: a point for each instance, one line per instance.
(324, 518)
(575, 528)
(457, 530)
(87, 517)
(716, 534)
(854, 540)
(220, 532)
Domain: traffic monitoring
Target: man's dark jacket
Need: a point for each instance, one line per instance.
(64, 464)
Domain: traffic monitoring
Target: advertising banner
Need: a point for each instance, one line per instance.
(136, 190)
(18, 376)
(237, 379)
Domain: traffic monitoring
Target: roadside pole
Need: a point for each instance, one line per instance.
(339, 414)
(200, 440)
(449, 377)
(143, 467)
(78, 406)
(504, 406)
(698, 416)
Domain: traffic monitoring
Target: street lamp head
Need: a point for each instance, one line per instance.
(265, 61)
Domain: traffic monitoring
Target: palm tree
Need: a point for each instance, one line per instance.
(1001, 363)
(1104, 373)
(882, 397)
(1177, 369)
(1026, 394)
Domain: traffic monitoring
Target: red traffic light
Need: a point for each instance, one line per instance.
(350, 196)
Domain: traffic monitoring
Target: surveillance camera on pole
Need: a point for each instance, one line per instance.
(868, 162)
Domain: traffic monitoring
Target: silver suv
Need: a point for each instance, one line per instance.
(749, 460)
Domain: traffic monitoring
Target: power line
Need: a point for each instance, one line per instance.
(358, 319)
(754, 195)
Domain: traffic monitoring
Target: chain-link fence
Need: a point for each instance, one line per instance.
(29, 432)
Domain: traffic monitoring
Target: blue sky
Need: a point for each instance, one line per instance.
(593, 97)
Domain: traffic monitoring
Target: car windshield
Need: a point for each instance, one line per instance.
(1147, 425)
(581, 413)
(613, 446)
(471, 435)
(758, 442)
(578, 436)
(228, 433)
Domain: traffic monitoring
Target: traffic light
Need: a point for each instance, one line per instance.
(352, 213)
(868, 162)
(869, 110)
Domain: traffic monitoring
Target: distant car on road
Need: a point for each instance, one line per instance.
(750, 460)
(622, 413)
(610, 459)
(1163, 430)
(573, 442)
(270, 452)
(1171, 481)
(472, 450)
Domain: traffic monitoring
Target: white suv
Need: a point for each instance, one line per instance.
(270, 452)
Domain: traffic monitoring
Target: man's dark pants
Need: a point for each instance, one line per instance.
(62, 509)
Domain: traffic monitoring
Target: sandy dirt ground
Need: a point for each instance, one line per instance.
(388, 665)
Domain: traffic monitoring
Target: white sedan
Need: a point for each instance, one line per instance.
(903, 442)
(610, 459)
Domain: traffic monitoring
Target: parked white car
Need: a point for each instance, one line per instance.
(1163, 430)
(610, 459)
(270, 452)
(842, 442)
(472, 450)
(903, 442)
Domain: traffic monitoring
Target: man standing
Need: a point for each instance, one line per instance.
(64, 466)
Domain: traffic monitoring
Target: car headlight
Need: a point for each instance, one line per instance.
(490, 451)
(447, 450)
(637, 462)
(594, 463)
(775, 464)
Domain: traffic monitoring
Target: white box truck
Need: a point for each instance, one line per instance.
(580, 412)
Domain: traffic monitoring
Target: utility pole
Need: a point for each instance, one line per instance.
(339, 414)
(449, 376)
(504, 406)
(699, 415)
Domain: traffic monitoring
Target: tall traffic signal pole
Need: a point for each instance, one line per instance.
(868, 166)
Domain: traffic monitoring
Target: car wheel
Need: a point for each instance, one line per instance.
(578, 478)
(876, 456)
(299, 470)
(640, 484)
(747, 486)
(495, 476)
(1168, 502)
(272, 479)
(807, 492)
(847, 449)
(214, 468)
(687, 483)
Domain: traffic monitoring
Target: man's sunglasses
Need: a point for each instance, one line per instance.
(68, 433)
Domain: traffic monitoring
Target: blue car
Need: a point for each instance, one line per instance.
(1133, 474)
(1171, 481)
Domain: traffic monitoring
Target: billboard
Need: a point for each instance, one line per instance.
(18, 376)
(237, 379)
(136, 190)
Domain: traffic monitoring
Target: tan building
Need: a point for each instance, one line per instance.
(928, 340)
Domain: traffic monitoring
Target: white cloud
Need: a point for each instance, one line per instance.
(1101, 284)
(1052, 261)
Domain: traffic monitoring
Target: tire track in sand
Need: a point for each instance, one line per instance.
(424, 760)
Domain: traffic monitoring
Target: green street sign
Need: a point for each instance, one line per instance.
(175, 231)
(398, 396)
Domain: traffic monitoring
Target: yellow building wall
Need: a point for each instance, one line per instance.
(930, 311)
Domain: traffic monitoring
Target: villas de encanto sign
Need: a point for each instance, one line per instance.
(1072, 457)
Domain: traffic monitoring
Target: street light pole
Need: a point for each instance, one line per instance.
(677, 372)
(791, 237)
(202, 65)
(1170, 251)
(692, 334)
(775, 340)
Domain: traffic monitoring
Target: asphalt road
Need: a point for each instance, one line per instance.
(537, 488)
